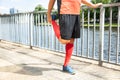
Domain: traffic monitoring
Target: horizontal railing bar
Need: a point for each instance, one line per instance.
(26, 13)
(104, 5)
(117, 64)
(111, 5)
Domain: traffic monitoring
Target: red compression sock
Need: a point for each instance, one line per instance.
(56, 29)
(69, 50)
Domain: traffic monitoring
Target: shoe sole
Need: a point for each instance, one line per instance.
(69, 72)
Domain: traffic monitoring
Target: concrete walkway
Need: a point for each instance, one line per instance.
(18, 62)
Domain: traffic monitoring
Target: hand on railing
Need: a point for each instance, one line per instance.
(91, 4)
(97, 5)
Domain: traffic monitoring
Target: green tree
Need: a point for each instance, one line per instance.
(38, 18)
(101, 1)
(115, 10)
(115, 1)
(107, 10)
(39, 7)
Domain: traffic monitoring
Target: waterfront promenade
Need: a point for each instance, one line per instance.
(18, 62)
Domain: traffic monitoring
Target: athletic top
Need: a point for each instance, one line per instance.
(69, 6)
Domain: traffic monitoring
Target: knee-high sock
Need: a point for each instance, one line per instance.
(56, 29)
(69, 50)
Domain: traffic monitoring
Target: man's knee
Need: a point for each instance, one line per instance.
(72, 40)
(63, 41)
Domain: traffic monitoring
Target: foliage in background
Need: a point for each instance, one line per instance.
(107, 10)
(37, 17)
(115, 1)
(115, 10)
(39, 7)
(101, 1)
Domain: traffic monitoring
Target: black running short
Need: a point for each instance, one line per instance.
(69, 26)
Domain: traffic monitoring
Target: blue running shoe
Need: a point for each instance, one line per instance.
(68, 69)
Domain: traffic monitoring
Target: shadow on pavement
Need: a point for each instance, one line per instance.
(27, 70)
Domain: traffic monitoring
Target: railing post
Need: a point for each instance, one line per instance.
(82, 38)
(31, 22)
(110, 31)
(118, 34)
(93, 50)
(101, 44)
(88, 33)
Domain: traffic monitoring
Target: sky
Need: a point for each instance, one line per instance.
(21, 5)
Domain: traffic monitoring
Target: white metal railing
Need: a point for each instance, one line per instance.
(33, 29)
(102, 24)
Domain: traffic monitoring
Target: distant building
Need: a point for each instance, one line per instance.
(13, 11)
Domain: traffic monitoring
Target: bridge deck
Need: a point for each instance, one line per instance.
(18, 62)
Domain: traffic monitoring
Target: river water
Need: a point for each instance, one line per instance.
(44, 37)
(55, 45)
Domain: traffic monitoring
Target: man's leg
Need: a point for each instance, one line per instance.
(56, 29)
(75, 34)
(69, 49)
(69, 43)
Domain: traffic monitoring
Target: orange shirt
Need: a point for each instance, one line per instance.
(70, 7)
